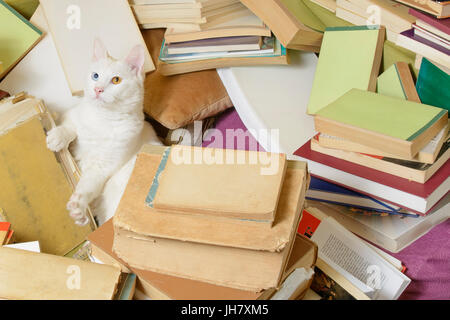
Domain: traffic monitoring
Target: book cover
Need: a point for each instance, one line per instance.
(17, 37)
(432, 85)
(350, 57)
(397, 82)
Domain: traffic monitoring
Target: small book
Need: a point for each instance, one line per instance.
(59, 278)
(244, 188)
(395, 125)
(397, 82)
(244, 43)
(432, 85)
(4, 231)
(291, 21)
(17, 37)
(350, 57)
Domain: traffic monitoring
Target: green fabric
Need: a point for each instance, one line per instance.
(371, 111)
(391, 52)
(432, 85)
(24, 7)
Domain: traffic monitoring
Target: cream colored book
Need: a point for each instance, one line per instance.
(240, 184)
(26, 275)
(74, 24)
(229, 252)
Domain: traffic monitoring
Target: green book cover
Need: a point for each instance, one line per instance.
(394, 117)
(17, 36)
(303, 14)
(389, 83)
(433, 85)
(349, 58)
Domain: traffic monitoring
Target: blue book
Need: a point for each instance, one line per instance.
(325, 191)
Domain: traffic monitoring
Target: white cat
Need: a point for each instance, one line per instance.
(107, 126)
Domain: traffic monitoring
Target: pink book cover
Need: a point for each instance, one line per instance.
(441, 24)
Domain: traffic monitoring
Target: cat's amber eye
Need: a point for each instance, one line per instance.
(116, 80)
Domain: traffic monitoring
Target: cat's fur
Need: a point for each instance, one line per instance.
(107, 127)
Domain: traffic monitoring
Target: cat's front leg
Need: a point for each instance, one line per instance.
(60, 137)
(88, 189)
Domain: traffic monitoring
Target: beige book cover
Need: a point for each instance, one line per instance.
(38, 276)
(74, 24)
(244, 188)
(36, 183)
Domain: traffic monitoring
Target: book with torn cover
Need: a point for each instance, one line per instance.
(59, 278)
(246, 188)
(160, 286)
(351, 262)
(397, 126)
(350, 57)
(17, 37)
(291, 21)
(205, 249)
(74, 34)
(32, 202)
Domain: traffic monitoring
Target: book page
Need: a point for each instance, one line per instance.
(357, 262)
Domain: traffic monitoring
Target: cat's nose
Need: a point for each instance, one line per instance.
(98, 90)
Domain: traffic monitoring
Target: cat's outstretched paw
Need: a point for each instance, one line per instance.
(78, 210)
(57, 139)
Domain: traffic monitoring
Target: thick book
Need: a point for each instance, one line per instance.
(410, 170)
(291, 21)
(160, 286)
(246, 188)
(17, 36)
(397, 82)
(439, 9)
(205, 249)
(34, 204)
(350, 57)
(59, 278)
(279, 56)
(350, 261)
(255, 90)
(440, 24)
(416, 197)
(394, 125)
(325, 191)
(393, 233)
(245, 24)
(432, 85)
(74, 34)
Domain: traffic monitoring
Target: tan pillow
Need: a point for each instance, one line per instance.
(178, 100)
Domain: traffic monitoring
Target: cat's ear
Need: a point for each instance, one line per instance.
(100, 51)
(136, 59)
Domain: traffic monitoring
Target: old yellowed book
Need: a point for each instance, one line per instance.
(229, 252)
(245, 186)
(38, 276)
(36, 182)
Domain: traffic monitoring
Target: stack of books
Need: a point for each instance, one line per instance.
(375, 136)
(181, 218)
(429, 37)
(188, 15)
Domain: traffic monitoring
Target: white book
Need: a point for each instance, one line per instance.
(357, 262)
(272, 100)
(393, 233)
(32, 246)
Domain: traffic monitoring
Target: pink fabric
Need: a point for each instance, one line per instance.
(427, 259)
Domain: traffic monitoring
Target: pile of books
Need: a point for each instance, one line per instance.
(219, 234)
(378, 147)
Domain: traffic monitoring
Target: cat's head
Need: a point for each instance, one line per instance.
(110, 81)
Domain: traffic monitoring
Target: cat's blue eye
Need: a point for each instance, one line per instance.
(95, 76)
